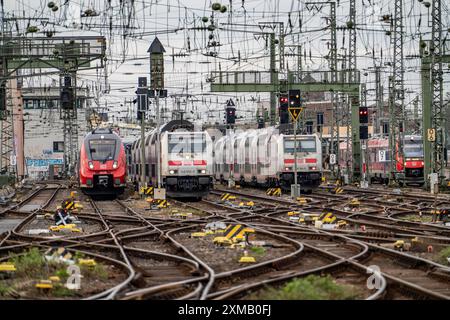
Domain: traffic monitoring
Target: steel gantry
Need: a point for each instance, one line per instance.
(436, 50)
(355, 97)
(6, 110)
(433, 109)
(66, 55)
(306, 81)
(396, 95)
(333, 62)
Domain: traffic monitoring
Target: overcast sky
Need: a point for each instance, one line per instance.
(187, 62)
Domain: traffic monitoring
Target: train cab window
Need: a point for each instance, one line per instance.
(302, 146)
(147, 169)
(153, 170)
(413, 148)
(102, 149)
(181, 144)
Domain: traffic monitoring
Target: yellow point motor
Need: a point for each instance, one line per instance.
(198, 234)
(223, 241)
(7, 267)
(44, 284)
(54, 279)
(246, 258)
(87, 262)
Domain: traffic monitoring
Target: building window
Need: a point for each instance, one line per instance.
(309, 127)
(58, 146)
(320, 118)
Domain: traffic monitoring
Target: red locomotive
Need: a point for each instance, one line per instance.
(102, 164)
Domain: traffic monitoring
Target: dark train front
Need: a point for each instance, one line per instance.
(102, 164)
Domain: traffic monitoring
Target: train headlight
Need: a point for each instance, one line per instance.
(115, 164)
(203, 171)
(313, 168)
(91, 165)
(172, 171)
(287, 169)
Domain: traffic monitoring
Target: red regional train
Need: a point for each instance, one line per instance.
(409, 170)
(102, 166)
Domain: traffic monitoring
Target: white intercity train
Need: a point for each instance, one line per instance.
(263, 157)
(186, 160)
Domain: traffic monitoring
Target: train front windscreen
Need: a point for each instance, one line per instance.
(413, 149)
(302, 145)
(102, 149)
(186, 144)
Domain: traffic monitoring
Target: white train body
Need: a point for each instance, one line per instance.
(265, 157)
(186, 162)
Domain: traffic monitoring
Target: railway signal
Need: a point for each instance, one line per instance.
(261, 123)
(363, 135)
(295, 104)
(142, 96)
(283, 112)
(363, 115)
(230, 112)
(67, 94)
(363, 132)
(156, 51)
(142, 107)
(295, 109)
(2, 99)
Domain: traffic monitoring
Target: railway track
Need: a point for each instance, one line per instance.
(158, 259)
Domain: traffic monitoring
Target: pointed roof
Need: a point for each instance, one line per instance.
(156, 47)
